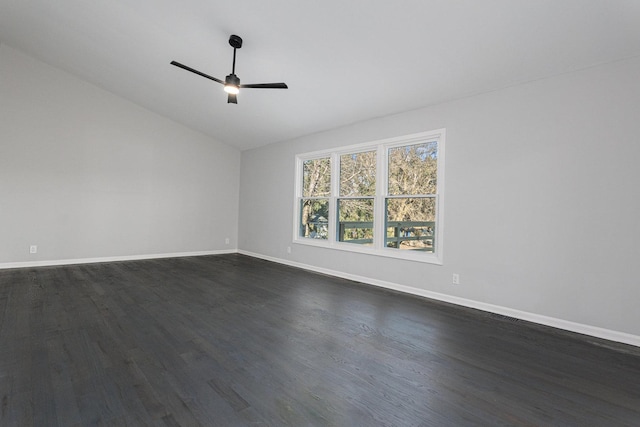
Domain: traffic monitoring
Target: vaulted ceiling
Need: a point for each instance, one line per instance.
(344, 61)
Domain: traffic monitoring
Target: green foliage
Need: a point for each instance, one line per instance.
(355, 210)
(314, 218)
(411, 209)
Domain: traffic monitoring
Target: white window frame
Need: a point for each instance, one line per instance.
(378, 248)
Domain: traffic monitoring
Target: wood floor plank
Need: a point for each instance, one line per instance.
(236, 341)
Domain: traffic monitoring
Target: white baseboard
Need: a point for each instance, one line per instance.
(580, 328)
(48, 263)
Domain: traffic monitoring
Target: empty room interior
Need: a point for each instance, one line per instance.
(319, 213)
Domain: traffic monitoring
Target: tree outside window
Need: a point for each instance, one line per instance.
(316, 189)
(356, 199)
(411, 202)
(383, 198)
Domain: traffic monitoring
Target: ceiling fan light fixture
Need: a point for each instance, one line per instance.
(231, 89)
(232, 84)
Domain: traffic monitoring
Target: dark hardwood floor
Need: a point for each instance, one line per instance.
(232, 340)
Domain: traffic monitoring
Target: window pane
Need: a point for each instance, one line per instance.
(316, 178)
(355, 221)
(314, 218)
(410, 223)
(413, 169)
(358, 174)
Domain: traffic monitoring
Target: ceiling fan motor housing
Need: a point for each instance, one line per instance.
(232, 79)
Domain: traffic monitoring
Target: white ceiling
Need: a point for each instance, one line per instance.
(344, 61)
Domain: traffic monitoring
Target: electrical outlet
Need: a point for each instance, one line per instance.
(226, 241)
(456, 279)
(33, 249)
(288, 249)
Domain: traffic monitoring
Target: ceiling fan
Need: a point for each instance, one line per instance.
(232, 82)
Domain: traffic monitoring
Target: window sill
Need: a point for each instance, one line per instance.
(417, 256)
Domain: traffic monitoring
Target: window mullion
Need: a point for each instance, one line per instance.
(333, 200)
(297, 197)
(381, 191)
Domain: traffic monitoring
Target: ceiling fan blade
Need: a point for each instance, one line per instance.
(232, 99)
(266, 86)
(184, 67)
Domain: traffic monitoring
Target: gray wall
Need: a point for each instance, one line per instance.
(86, 174)
(541, 210)
(542, 213)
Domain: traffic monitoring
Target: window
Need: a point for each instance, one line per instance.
(314, 204)
(356, 197)
(383, 198)
(410, 204)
